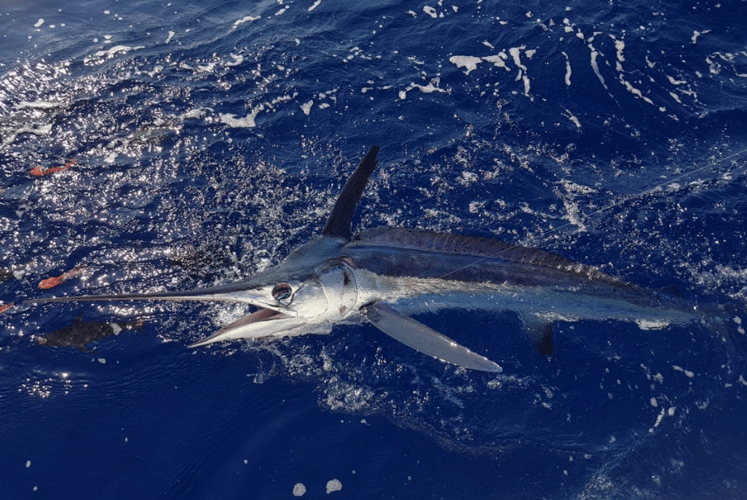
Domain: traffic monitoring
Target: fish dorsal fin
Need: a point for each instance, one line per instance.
(341, 219)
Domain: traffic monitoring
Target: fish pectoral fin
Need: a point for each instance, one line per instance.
(424, 339)
(540, 333)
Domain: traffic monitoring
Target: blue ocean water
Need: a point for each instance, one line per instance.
(171, 145)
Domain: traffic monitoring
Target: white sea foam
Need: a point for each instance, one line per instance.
(333, 485)
(568, 71)
(498, 60)
(688, 373)
(572, 118)
(246, 122)
(237, 59)
(299, 490)
(516, 55)
(651, 324)
(636, 92)
(426, 89)
(247, 19)
(675, 82)
(716, 67)
(595, 66)
(429, 89)
(194, 114)
(698, 34)
(468, 62)
(114, 51)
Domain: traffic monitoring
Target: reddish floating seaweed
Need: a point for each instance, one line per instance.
(56, 280)
(39, 172)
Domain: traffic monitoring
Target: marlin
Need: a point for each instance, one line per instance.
(384, 275)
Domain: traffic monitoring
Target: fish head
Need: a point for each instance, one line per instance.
(294, 306)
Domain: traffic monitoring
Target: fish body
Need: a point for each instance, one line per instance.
(384, 275)
(424, 271)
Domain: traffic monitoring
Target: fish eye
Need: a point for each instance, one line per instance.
(282, 291)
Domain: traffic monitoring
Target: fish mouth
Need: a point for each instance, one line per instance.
(254, 325)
